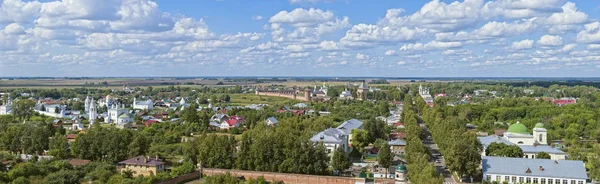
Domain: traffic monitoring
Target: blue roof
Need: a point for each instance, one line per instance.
(486, 141)
(350, 125)
(570, 169)
(540, 148)
(397, 142)
(331, 135)
(272, 120)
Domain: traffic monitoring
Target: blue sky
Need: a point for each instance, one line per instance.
(465, 38)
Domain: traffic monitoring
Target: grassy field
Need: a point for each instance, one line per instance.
(117, 83)
(247, 99)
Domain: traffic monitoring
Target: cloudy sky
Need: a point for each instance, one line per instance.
(394, 38)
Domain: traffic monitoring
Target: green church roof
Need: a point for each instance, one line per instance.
(401, 167)
(124, 115)
(539, 125)
(518, 128)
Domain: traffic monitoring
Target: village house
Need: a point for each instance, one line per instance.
(224, 121)
(271, 121)
(142, 165)
(397, 146)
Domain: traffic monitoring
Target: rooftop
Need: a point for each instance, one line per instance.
(331, 135)
(397, 142)
(572, 169)
(540, 148)
(142, 160)
(518, 128)
(486, 141)
(351, 124)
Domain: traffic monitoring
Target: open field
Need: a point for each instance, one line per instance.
(117, 83)
(113, 83)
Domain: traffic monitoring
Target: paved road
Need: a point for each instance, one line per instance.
(436, 155)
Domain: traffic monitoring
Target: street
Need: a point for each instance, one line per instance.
(437, 158)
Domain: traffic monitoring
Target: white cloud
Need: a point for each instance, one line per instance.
(390, 52)
(257, 17)
(328, 46)
(518, 9)
(503, 29)
(569, 15)
(550, 40)
(440, 16)
(308, 25)
(401, 62)
(14, 29)
(593, 46)
(361, 56)
(591, 33)
(523, 44)
(433, 45)
(18, 11)
(362, 35)
(302, 17)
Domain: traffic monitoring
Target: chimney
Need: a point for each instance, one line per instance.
(156, 157)
(541, 168)
(146, 159)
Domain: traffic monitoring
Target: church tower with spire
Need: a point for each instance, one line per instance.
(92, 113)
(87, 104)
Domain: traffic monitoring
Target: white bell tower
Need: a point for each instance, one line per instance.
(540, 134)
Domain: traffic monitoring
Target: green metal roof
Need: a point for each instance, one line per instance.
(124, 115)
(518, 128)
(401, 167)
(539, 125)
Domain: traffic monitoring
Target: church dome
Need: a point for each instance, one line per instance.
(124, 115)
(401, 167)
(539, 125)
(518, 128)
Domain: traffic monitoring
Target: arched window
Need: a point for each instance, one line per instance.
(520, 142)
(541, 137)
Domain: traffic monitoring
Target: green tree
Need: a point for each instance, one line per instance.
(386, 157)
(23, 109)
(360, 139)
(186, 167)
(542, 155)
(340, 161)
(64, 177)
(59, 147)
(139, 145)
(464, 157)
(226, 178)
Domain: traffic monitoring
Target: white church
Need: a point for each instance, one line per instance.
(518, 134)
(143, 105)
(6, 108)
(118, 115)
